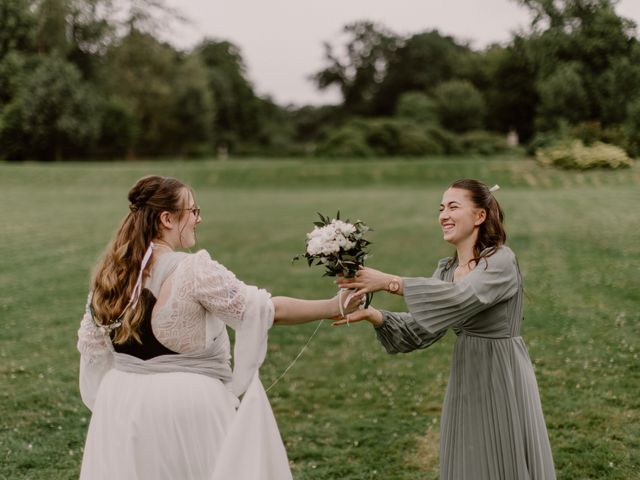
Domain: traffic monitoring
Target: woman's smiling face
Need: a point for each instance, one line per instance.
(459, 217)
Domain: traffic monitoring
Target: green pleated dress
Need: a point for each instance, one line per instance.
(492, 425)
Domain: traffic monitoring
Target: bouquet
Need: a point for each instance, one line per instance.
(339, 246)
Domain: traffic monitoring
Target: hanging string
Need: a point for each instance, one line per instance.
(297, 357)
(304, 347)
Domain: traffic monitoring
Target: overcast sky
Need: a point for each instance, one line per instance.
(282, 40)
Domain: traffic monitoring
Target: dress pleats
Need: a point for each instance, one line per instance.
(492, 425)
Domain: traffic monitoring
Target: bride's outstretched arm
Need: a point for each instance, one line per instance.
(371, 315)
(293, 311)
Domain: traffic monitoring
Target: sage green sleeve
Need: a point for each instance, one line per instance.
(436, 305)
(399, 333)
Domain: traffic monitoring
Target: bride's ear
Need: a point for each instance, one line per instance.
(166, 220)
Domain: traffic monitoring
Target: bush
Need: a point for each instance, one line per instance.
(393, 136)
(461, 107)
(345, 141)
(379, 136)
(575, 155)
(449, 141)
(417, 107)
(415, 141)
(480, 142)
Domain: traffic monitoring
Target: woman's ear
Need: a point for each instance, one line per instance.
(481, 216)
(166, 220)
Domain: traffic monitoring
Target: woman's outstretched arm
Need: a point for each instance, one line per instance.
(293, 311)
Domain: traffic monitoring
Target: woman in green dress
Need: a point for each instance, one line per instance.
(492, 425)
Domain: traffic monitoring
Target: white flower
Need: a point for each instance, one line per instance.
(330, 239)
(344, 228)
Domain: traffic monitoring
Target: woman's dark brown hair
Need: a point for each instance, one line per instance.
(116, 273)
(491, 234)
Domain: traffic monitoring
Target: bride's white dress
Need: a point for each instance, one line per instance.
(178, 416)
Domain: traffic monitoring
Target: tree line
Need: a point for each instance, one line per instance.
(93, 79)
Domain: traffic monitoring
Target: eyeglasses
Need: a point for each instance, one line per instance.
(194, 210)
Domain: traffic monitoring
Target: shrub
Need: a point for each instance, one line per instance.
(415, 141)
(480, 142)
(345, 141)
(591, 132)
(461, 107)
(449, 141)
(417, 107)
(379, 136)
(575, 155)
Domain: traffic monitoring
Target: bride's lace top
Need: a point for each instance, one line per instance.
(193, 305)
(199, 285)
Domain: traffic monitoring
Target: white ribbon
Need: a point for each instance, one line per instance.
(346, 302)
(137, 289)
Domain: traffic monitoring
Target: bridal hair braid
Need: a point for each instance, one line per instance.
(116, 273)
(491, 233)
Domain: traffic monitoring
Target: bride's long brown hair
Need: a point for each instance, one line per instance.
(116, 273)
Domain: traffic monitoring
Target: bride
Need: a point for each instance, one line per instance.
(155, 354)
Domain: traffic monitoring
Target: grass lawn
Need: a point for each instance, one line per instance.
(346, 410)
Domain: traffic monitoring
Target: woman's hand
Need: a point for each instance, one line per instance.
(371, 315)
(355, 302)
(368, 280)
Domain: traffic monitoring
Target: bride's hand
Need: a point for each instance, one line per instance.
(366, 280)
(354, 304)
(370, 314)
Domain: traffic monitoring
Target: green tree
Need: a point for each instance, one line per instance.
(512, 95)
(53, 114)
(420, 63)
(359, 72)
(13, 72)
(563, 97)
(460, 105)
(418, 107)
(92, 28)
(139, 73)
(51, 28)
(617, 85)
(17, 24)
(586, 43)
(193, 110)
(632, 127)
(238, 108)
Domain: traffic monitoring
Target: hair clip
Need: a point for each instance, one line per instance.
(133, 208)
(494, 188)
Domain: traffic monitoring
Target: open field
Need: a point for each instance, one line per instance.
(346, 410)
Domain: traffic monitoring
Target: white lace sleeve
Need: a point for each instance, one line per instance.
(92, 341)
(218, 290)
(96, 357)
